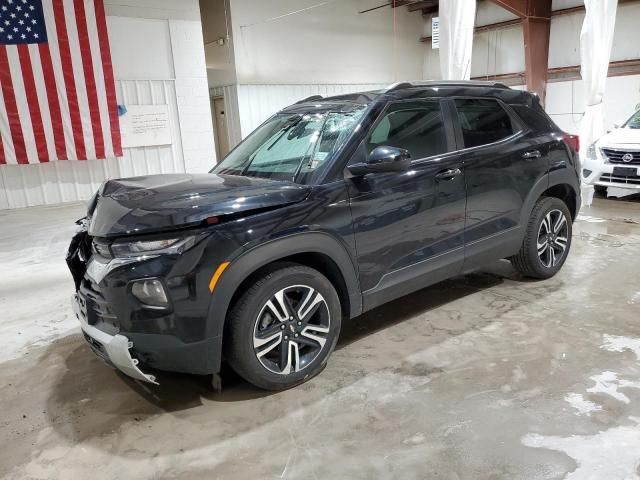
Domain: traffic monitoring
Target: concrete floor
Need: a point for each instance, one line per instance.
(486, 376)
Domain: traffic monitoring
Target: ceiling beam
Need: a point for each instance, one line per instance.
(414, 7)
(517, 7)
(400, 3)
(617, 68)
(430, 10)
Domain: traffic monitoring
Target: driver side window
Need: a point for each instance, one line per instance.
(416, 126)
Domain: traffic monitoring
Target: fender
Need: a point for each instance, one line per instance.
(251, 260)
(535, 193)
(562, 176)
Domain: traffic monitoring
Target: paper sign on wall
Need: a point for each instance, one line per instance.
(435, 33)
(145, 126)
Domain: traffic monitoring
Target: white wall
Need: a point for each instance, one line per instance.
(158, 58)
(287, 50)
(565, 101)
(309, 41)
(216, 25)
(564, 44)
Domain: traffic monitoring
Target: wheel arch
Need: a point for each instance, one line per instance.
(317, 250)
(567, 194)
(564, 189)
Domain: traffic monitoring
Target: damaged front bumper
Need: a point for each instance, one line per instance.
(114, 349)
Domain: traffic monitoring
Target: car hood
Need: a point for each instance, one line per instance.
(156, 203)
(624, 137)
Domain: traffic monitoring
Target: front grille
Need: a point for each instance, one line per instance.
(98, 311)
(624, 179)
(618, 156)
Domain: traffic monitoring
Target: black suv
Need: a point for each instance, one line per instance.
(330, 208)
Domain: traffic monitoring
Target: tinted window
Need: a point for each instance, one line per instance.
(536, 120)
(416, 126)
(634, 121)
(483, 121)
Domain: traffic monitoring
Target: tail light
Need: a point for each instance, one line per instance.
(572, 141)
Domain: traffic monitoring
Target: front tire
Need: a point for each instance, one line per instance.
(282, 330)
(547, 240)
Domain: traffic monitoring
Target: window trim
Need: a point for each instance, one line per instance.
(515, 120)
(446, 120)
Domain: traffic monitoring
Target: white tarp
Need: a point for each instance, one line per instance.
(596, 38)
(457, 18)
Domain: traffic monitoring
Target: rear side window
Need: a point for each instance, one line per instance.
(483, 121)
(415, 126)
(536, 120)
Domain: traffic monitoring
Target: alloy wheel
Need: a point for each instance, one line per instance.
(291, 329)
(552, 238)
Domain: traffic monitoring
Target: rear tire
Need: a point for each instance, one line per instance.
(547, 240)
(282, 330)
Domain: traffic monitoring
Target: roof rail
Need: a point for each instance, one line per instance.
(447, 83)
(309, 99)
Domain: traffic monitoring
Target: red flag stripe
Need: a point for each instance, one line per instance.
(67, 68)
(109, 81)
(2, 158)
(89, 77)
(12, 109)
(54, 102)
(32, 100)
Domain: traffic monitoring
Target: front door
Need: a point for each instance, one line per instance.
(409, 226)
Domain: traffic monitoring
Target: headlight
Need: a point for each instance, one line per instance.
(592, 152)
(170, 246)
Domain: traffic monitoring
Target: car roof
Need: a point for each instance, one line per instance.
(412, 90)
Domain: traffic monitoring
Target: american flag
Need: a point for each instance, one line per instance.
(57, 90)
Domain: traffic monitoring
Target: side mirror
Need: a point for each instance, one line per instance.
(383, 159)
(617, 124)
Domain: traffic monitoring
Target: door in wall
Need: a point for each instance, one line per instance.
(220, 124)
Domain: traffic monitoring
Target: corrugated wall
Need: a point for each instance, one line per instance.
(66, 181)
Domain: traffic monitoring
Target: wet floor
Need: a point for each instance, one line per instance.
(485, 376)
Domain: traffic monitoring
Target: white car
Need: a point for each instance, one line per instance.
(614, 160)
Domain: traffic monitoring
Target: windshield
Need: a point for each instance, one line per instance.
(292, 147)
(634, 121)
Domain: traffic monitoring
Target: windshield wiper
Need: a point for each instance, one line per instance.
(284, 130)
(253, 156)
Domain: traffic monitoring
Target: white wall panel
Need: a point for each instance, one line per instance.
(565, 101)
(66, 181)
(310, 41)
(258, 102)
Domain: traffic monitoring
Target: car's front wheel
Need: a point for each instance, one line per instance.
(547, 240)
(282, 329)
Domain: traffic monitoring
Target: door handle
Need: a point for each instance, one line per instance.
(531, 154)
(448, 174)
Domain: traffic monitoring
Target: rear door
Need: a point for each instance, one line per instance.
(503, 160)
(409, 225)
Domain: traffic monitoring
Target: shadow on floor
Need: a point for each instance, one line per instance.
(90, 399)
